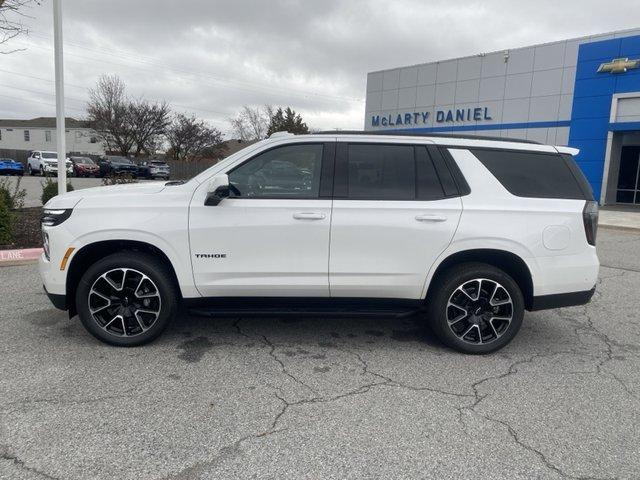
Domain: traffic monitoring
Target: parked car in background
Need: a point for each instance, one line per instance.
(84, 167)
(9, 166)
(154, 169)
(45, 163)
(117, 165)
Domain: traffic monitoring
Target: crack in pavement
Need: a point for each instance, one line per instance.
(512, 370)
(272, 349)
(6, 455)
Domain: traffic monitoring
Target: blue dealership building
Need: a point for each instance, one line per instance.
(583, 92)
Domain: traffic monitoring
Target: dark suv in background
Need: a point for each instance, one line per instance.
(117, 165)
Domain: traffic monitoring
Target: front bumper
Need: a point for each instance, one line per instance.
(11, 171)
(59, 301)
(54, 169)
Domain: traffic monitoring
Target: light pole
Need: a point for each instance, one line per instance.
(60, 127)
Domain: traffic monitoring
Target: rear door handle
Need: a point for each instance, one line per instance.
(309, 216)
(431, 218)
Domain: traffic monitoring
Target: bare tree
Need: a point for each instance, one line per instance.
(109, 114)
(11, 14)
(252, 123)
(189, 138)
(149, 121)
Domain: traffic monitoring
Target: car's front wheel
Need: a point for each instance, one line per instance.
(475, 308)
(127, 299)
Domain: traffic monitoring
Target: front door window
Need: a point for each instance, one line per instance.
(292, 171)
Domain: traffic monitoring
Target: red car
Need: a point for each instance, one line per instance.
(84, 167)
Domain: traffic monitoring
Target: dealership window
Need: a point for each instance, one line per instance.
(47, 135)
(285, 172)
(27, 136)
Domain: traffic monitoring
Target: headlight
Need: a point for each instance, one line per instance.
(51, 218)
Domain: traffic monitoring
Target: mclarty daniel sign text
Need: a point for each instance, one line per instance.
(476, 114)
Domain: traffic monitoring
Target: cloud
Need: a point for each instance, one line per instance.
(211, 57)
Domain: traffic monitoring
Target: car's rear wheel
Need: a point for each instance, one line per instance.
(476, 308)
(127, 299)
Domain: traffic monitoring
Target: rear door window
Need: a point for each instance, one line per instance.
(381, 172)
(534, 174)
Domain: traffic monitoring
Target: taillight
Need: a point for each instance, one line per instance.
(590, 219)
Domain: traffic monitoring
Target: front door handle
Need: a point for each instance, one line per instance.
(309, 216)
(431, 218)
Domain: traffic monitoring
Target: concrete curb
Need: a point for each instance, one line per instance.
(23, 256)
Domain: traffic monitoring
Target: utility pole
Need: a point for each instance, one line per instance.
(60, 120)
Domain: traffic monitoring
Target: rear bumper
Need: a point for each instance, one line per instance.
(59, 301)
(558, 300)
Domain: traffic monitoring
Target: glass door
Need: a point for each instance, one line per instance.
(629, 177)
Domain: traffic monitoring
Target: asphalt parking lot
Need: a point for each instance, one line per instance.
(300, 398)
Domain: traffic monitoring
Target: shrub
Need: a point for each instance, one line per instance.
(50, 189)
(6, 222)
(12, 194)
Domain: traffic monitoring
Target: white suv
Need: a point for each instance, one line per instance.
(46, 163)
(467, 233)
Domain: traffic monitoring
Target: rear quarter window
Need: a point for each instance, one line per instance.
(536, 174)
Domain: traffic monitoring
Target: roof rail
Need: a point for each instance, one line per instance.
(280, 134)
(409, 133)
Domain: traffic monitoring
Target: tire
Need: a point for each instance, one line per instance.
(469, 313)
(147, 301)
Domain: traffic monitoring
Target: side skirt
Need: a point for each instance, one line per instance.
(310, 307)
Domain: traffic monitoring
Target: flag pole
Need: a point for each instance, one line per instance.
(60, 120)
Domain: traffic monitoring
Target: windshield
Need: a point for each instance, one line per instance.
(115, 159)
(49, 155)
(83, 160)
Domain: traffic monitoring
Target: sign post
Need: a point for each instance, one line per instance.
(60, 120)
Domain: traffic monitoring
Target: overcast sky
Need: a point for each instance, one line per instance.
(211, 57)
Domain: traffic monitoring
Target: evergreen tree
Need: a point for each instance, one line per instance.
(287, 120)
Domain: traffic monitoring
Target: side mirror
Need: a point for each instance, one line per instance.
(218, 189)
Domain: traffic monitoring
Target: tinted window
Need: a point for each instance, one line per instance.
(532, 174)
(116, 159)
(83, 160)
(381, 172)
(428, 186)
(285, 172)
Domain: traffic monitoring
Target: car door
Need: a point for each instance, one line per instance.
(271, 236)
(396, 208)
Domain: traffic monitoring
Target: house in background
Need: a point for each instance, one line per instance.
(40, 134)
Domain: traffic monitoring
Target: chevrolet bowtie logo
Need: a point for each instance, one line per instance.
(618, 65)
